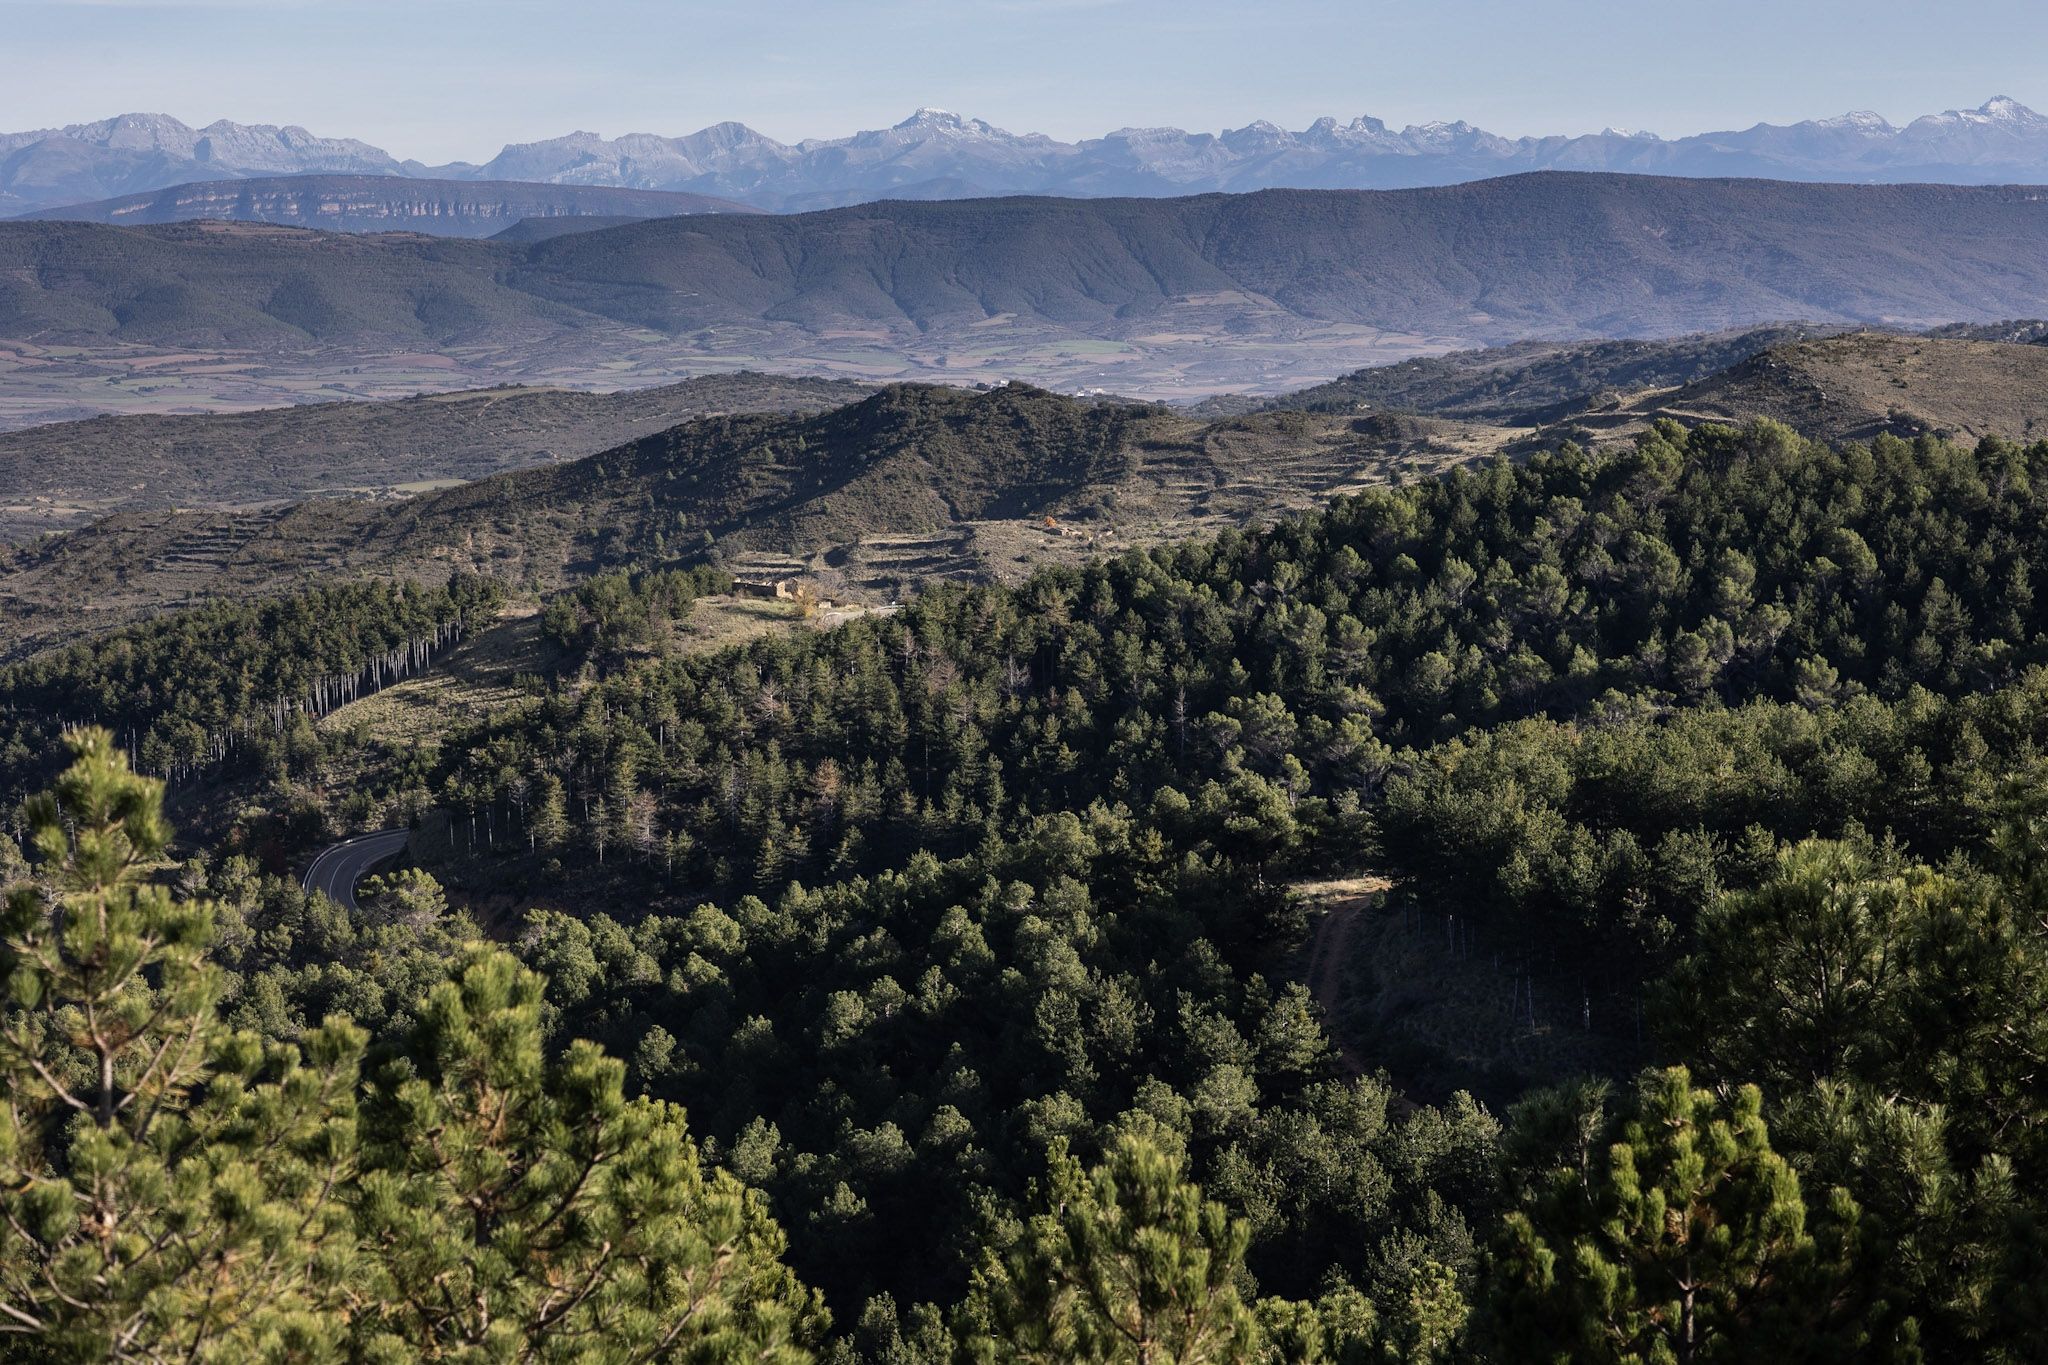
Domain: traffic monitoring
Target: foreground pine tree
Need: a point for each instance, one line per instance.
(170, 1190)
(173, 1190)
(1684, 1240)
(527, 1209)
(1128, 1266)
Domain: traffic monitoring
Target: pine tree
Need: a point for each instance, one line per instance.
(526, 1208)
(410, 897)
(1807, 977)
(1128, 1266)
(1687, 1240)
(1927, 986)
(169, 1189)
(551, 815)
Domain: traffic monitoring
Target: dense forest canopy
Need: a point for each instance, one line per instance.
(185, 692)
(968, 937)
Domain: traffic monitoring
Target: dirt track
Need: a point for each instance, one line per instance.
(1330, 950)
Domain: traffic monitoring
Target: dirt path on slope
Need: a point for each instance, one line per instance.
(1330, 951)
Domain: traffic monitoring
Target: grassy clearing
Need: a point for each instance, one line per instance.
(490, 673)
(718, 621)
(478, 678)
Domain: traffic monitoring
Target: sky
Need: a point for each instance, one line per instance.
(445, 80)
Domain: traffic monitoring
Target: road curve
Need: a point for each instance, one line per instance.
(339, 867)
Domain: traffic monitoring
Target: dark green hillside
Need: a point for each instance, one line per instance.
(1705, 568)
(910, 458)
(231, 684)
(1707, 775)
(1571, 704)
(64, 474)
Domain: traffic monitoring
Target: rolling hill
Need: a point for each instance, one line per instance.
(1863, 385)
(382, 203)
(1161, 298)
(65, 474)
(1529, 382)
(529, 230)
(203, 284)
(910, 484)
(1961, 383)
(1502, 259)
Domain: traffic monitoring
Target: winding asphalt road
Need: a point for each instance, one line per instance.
(340, 866)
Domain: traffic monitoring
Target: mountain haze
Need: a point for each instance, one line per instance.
(938, 155)
(382, 203)
(934, 154)
(1123, 294)
(134, 153)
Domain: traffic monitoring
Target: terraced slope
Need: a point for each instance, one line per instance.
(912, 484)
(1854, 387)
(915, 484)
(1529, 382)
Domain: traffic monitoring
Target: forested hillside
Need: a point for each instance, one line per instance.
(232, 681)
(971, 936)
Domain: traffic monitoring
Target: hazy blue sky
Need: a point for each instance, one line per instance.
(447, 79)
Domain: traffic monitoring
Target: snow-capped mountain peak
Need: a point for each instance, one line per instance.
(1858, 120)
(2001, 113)
(936, 153)
(2006, 109)
(945, 123)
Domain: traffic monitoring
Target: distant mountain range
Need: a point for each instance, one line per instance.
(1143, 296)
(382, 203)
(937, 155)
